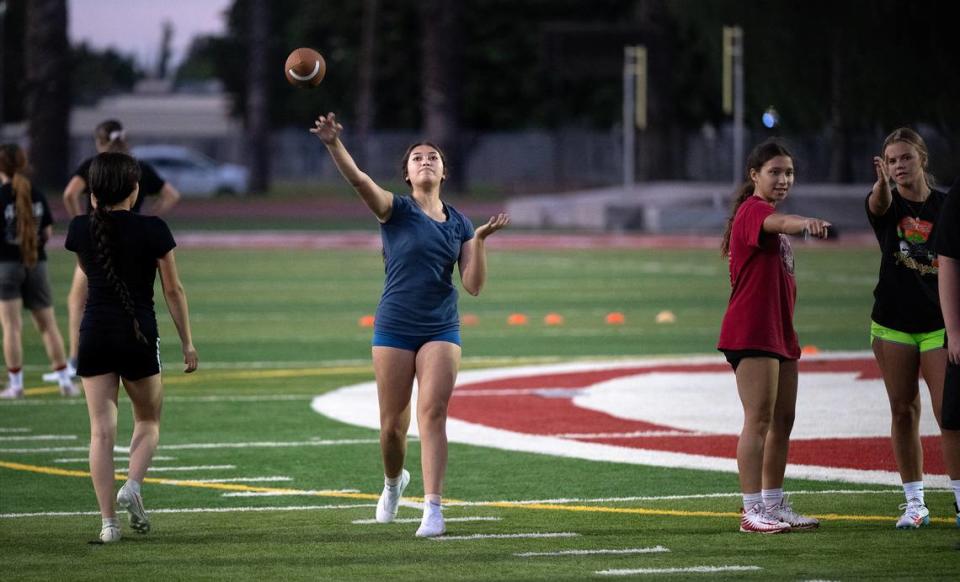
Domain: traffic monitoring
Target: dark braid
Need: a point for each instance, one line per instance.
(113, 177)
(763, 153)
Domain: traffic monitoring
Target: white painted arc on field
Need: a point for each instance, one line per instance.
(6, 429)
(187, 446)
(536, 535)
(417, 520)
(270, 479)
(116, 459)
(651, 550)
(287, 493)
(197, 510)
(184, 468)
(40, 437)
(357, 405)
(691, 570)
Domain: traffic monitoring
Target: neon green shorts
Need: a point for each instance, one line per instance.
(926, 341)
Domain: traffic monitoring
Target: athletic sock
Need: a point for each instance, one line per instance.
(393, 481)
(133, 486)
(110, 521)
(751, 499)
(15, 375)
(63, 376)
(772, 497)
(433, 502)
(913, 490)
(956, 490)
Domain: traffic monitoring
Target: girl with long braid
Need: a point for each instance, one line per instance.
(120, 252)
(757, 335)
(24, 229)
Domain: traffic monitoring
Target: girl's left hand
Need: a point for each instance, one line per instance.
(493, 225)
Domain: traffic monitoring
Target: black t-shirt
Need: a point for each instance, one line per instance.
(150, 182)
(948, 229)
(906, 297)
(138, 242)
(9, 237)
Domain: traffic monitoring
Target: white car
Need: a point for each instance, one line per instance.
(193, 173)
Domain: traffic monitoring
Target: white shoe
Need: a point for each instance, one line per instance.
(10, 393)
(110, 534)
(757, 520)
(133, 503)
(55, 376)
(69, 390)
(389, 501)
(915, 514)
(785, 513)
(432, 524)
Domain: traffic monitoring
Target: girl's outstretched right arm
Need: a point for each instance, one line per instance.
(176, 299)
(793, 224)
(378, 200)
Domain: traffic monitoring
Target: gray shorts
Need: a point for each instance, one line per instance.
(31, 285)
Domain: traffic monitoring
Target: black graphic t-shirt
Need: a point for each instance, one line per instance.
(906, 297)
(139, 242)
(9, 237)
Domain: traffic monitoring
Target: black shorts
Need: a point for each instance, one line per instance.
(117, 352)
(950, 408)
(31, 285)
(734, 356)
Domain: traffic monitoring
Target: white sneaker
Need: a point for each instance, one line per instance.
(55, 376)
(389, 501)
(432, 524)
(915, 514)
(785, 513)
(757, 520)
(133, 503)
(110, 534)
(69, 390)
(10, 393)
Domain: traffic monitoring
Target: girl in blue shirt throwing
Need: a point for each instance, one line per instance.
(417, 328)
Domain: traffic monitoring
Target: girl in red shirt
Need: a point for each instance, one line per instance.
(757, 334)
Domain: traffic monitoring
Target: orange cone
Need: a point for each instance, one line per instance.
(553, 319)
(469, 319)
(615, 318)
(517, 319)
(809, 350)
(366, 321)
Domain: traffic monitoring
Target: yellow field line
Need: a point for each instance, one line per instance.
(502, 504)
(42, 390)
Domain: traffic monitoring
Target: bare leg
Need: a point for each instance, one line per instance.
(437, 366)
(900, 364)
(46, 324)
(777, 445)
(101, 394)
(12, 323)
(394, 370)
(757, 380)
(146, 395)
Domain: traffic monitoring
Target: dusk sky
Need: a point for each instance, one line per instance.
(133, 27)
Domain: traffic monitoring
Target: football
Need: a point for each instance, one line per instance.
(305, 67)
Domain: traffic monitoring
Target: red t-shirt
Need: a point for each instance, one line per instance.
(760, 313)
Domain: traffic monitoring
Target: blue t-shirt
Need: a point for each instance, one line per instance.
(418, 295)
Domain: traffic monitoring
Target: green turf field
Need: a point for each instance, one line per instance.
(275, 328)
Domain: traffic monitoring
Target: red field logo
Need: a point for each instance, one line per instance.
(672, 413)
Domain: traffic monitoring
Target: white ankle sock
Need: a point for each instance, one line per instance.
(751, 499)
(772, 497)
(16, 379)
(956, 490)
(393, 481)
(112, 521)
(913, 490)
(432, 502)
(63, 377)
(133, 486)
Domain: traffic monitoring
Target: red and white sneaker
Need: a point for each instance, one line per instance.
(757, 520)
(915, 514)
(785, 513)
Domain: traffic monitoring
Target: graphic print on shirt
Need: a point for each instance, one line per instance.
(786, 253)
(10, 217)
(914, 251)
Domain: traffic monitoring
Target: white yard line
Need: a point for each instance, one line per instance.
(506, 536)
(40, 437)
(668, 497)
(195, 510)
(653, 550)
(14, 429)
(628, 435)
(87, 459)
(692, 570)
(186, 446)
(186, 468)
(244, 480)
(287, 493)
(417, 520)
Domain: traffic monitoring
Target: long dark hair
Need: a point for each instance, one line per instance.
(406, 158)
(760, 155)
(113, 176)
(13, 163)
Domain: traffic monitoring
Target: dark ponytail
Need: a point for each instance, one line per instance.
(13, 163)
(113, 177)
(760, 155)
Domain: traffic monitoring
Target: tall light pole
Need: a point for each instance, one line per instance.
(733, 92)
(634, 106)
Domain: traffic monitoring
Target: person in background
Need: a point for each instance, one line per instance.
(24, 230)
